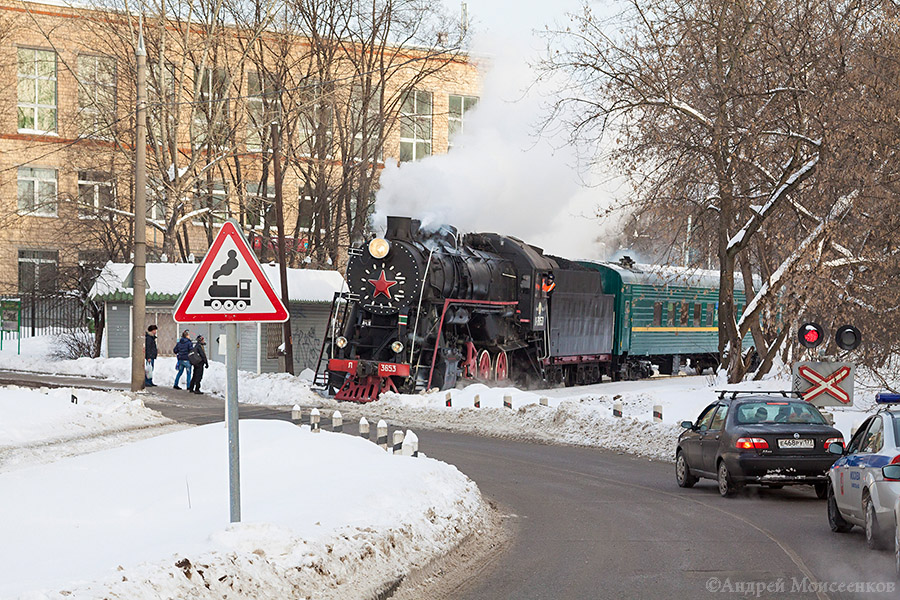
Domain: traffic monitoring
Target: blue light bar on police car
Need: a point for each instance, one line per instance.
(887, 398)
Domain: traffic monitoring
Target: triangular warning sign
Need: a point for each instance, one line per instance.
(229, 286)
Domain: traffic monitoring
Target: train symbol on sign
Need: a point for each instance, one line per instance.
(228, 297)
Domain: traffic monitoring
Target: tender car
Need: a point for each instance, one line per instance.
(859, 492)
(757, 439)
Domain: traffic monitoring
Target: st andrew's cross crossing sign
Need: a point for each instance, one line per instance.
(825, 383)
(229, 286)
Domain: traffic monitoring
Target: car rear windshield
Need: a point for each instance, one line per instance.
(773, 413)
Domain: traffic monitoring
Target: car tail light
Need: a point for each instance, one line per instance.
(831, 441)
(751, 444)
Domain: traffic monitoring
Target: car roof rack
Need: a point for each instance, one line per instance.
(734, 393)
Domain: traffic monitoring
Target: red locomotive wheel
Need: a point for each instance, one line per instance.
(501, 370)
(470, 366)
(484, 365)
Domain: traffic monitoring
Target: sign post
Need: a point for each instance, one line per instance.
(229, 287)
(11, 320)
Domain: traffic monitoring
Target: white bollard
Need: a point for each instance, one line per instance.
(545, 402)
(296, 413)
(363, 428)
(381, 434)
(337, 422)
(657, 413)
(398, 441)
(314, 420)
(410, 444)
(507, 401)
(617, 409)
(449, 400)
(477, 401)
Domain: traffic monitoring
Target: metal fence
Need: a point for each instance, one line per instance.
(50, 314)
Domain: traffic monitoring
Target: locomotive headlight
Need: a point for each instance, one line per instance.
(341, 342)
(397, 347)
(379, 248)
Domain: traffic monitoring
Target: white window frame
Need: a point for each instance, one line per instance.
(95, 117)
(417, 120)
(209, 96)
(220, 196)
(37, 205)
(373, 113)
(456, 124)
(34, 78)
(89, 178)
(315, 111)
(37, 261)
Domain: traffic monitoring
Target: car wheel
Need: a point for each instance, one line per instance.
(683, 472)
(874, 538)
(727, 487)
(821, 490)
(835, 520)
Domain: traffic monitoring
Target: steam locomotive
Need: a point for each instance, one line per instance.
(229, 297)
(427, 308)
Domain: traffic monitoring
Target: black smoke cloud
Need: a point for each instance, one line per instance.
(230, 265)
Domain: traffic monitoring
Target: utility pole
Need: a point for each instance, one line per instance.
(282, 255)
(139, 275)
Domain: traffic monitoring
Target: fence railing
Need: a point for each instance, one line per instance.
(50, 314)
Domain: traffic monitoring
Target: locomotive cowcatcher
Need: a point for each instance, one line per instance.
(426, 308)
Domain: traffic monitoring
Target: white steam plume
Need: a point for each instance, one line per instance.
(500, 177)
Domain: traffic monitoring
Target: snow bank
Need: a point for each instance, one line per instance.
(324, 516)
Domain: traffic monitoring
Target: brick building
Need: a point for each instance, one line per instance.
(67, 98)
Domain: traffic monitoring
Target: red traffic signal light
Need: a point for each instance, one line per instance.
(848, 337)
(810, 335)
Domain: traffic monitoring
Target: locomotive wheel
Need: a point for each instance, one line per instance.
(501, 368)
(484, 365)
(228, 305)
(570, 371)
(241, 305)
(470, 366)
(215, 304)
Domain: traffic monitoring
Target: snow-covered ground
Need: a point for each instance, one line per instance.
(88, 512)
(580, 415)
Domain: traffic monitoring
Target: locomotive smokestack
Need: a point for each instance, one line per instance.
(399, 228)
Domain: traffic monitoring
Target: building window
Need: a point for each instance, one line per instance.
(657, 314)
(163, 106)
(260, 109)
(95, 192)
(37, 90)
(38, 270)
(37, 191)
(210, 114)
(214, 196)
(261, 206)
(459, 106)
(415, 126)
(96, 95)
(315, 134)
(365, 123)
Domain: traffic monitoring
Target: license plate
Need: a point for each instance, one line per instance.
(791, 443)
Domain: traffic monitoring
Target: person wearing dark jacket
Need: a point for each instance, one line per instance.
(150, 354)
(198, 361)
(181, 351)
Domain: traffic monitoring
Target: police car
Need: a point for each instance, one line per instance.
(861, 490)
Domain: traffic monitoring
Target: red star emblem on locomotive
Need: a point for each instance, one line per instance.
(382, 286)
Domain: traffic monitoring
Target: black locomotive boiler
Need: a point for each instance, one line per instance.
(229, 297)
(428, 308)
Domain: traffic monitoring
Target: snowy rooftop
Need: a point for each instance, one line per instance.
(166, 281)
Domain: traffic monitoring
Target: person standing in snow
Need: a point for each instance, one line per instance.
(150, 354)
(198, 361)
(181, 350)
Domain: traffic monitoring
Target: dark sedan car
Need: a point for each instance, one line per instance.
(758, 439)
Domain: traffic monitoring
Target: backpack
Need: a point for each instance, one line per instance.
(194, 357)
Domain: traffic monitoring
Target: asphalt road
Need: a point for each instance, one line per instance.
(592, 524)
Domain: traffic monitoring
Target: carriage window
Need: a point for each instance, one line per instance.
(698, 308)
(710, 311)
(685, 311)
(670, 314)
(657, 314)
